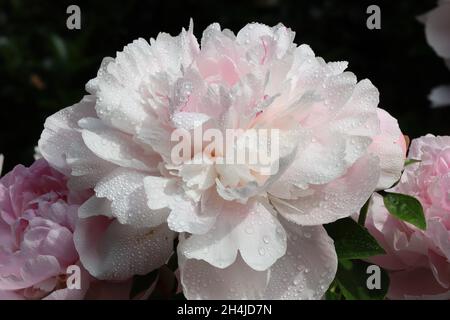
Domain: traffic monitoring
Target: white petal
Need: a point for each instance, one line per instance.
(110, 250)
(95, 207)
(338, 199)
(390, 147)
(61, 129)
(251, 228)
(307, 269)
(116, 86)
(157, 136)
(288, 145)
(304, 272)
(185, 215)
(115, 146)
(189, 120)
(159, 191)
(125, 189)
(200, 280)
(62, 146)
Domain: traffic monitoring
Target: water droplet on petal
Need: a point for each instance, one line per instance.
(262, 251)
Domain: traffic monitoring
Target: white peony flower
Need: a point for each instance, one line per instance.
(244, 233)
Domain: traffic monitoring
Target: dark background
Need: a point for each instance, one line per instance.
(44, 66)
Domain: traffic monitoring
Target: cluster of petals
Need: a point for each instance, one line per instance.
(38, 215)
(418, 260)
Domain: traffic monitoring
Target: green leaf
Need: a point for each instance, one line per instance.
(411, 161)
(352, 241)
(354, 279)
(333, 292)
(406, 208)
(363, 213)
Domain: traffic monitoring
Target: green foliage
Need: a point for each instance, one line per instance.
(406, 208)
(352, 277)
(352, 241)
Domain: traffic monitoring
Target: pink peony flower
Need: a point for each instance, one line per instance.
(437, 29)
(437, 32)
(418, 261)
(244, 233)
(37, 220)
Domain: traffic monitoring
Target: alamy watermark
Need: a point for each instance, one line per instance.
(74, 19)
(73, 281)
(374, 20)
(374, 280)
(257, 148)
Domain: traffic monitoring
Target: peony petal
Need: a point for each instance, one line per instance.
(441, 269)
(424, 285)
(33, 271)
(288, 146)
(185, 215)
(338, 199)
(308, 267)
(116, 147)
(74, 293)
(390, 147)
(252, 229)
(110, 250)
(189, 120)
(437, 29)
(62, 146)
(95, 207)
(200, 280)
(10, 295)
(125, 189)
(305, 272)
(439, 233)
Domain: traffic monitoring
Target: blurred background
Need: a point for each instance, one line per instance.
(44, 65)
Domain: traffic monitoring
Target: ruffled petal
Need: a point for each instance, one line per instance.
(390, 147)
(124, 188)
(112, 251)
(304, 272)
(253, 229)
(338, 199)
(307, 269)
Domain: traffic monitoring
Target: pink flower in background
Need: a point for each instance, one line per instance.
(37, 221)
(243, 234)
(418, 261)
(36, 229)
(437, 29)
(437, 32)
